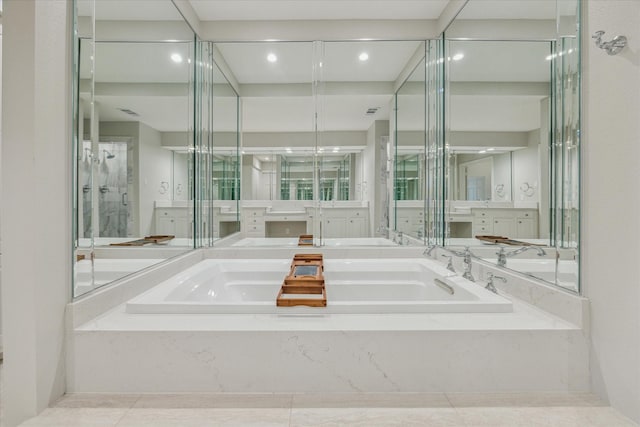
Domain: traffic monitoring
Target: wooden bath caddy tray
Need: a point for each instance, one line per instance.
(305, 240)
(304, 285)
(505, 241)
(146, 240)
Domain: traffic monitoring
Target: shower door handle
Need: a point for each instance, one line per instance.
(124, 199)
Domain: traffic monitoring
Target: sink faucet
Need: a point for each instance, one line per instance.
(400, 238)
(466, 259)
(502, 255)
(490, 286)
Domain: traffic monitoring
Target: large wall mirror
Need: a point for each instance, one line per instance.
(512, 166)
(133, 106)
(315, 138)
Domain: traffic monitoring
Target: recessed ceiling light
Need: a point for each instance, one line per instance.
(458, 56)
(363, 56)
(272, 57)
(176, 57)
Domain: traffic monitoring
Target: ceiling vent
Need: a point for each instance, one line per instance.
(129, 112)
(372, 111)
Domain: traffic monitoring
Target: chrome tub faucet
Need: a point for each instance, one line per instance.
(466, 259)
(503, 255)
(490, 286)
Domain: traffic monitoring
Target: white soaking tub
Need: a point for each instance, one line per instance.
(407, 285)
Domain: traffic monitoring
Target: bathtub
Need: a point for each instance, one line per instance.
(288, 241)
(353, 286)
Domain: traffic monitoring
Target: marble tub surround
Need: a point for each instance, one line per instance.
(476, 352)
(570, 307)
(320, 352)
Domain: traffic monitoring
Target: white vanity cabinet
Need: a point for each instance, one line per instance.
(410, 220)
(512, 223)
(253, 222)
(345, 222)
(173, 221)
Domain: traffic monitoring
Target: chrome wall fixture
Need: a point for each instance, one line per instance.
(612, 46)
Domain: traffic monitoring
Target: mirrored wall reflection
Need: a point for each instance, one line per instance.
(216, 153)
(133, 103)
(512, 172)
(315, 138)
(410, 177)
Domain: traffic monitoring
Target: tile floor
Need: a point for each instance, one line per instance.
(370, 410)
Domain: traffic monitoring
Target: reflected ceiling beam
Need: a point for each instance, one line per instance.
(143, 31)
(449, 13)
(148, 89)
(506, 140)
(537, 89)
(411, 64)
(347, 141)
(503, 29)
(305, 89)
(189, 14)
(500, 88)
(326, 30)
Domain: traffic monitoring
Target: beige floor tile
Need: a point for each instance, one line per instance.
(97, 400)
(543, 417)
(371, 400)
(214, 400)
(500, 400)
(374, 417)
(77, 417)
(264, 417)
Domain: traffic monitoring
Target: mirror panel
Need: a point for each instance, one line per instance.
(410, 154)
(512, 134)
(133, 93)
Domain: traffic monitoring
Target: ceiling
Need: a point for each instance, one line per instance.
(260, 10)
(270, 111)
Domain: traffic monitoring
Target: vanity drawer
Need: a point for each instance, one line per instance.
(254, 229)
(480, 229)
(171, 212)
(482, 221)
(253, 212)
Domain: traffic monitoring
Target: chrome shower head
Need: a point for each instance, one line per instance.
(108, 155)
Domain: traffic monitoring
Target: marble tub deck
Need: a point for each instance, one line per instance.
(527, 350)
(370, 410)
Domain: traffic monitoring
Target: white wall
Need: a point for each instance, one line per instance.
(180, 176)
(611, 203)
(36, 203)
(526, 168)
(154, 168)
(501, 176)
(0, 163)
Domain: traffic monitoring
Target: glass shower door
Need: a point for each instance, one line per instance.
(113, 200)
